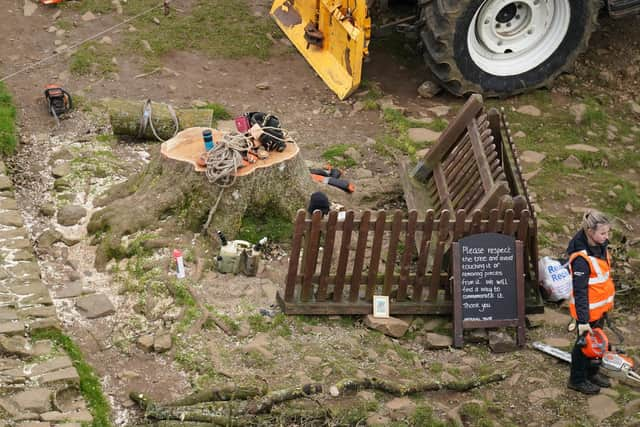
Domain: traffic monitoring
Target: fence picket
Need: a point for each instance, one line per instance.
(409, 246)
(363, 234)
(390, 262)
(294, 257)
(376, 248)
(311, 256)
(343, 257)
(327, 255)
(443, 235)
(423, 255)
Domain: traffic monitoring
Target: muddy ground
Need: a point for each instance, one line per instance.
(286, 351)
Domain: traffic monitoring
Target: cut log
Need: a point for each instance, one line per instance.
(125, 118)
(278, 186)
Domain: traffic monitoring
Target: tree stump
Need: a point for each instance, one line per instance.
(173, 185)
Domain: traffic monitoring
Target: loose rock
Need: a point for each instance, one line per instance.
(436, 341)
(71, 214)
(429, 89)
(532, 157)
(94, 306)
(389, 326)
(87, 17)
(500, 342)
(529, 110)
(601, 407)
(572, 162)
(423, 135)
(578, 110)
(583, 147)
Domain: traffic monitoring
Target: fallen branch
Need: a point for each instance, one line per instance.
(235, 406)
(221, 394)
(352, 384)
(230, 413)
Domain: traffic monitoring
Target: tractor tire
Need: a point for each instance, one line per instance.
(485, 46)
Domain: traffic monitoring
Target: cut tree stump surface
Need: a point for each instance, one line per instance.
(188, 146)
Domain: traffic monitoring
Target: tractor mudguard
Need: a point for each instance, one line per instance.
(332, 35)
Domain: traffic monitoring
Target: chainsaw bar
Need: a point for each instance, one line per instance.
(613, 365)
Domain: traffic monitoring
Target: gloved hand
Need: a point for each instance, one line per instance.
(583, 328)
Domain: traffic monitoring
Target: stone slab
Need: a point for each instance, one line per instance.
(67, 376)
(8, 204)
(12, 328)
(94, 306)
(35, 400)
(11, 219)
(80, 416)
(61, 362)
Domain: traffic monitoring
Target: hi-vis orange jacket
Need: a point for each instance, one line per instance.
(601, 288)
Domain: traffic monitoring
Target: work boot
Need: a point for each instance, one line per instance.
(600, 380)
(585, 387)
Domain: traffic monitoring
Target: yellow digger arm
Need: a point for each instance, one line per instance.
(333, 36)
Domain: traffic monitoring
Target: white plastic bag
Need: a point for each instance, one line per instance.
(555, 279)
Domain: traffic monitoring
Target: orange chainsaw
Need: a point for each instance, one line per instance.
(58, 101)
(51, 1)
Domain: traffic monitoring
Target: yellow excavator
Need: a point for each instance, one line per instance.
(493, 47)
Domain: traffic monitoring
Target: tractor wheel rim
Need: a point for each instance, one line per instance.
(508, 37)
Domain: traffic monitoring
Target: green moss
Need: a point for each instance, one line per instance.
(279, 324)
(8, 137)
(256, 225)
(337, 157)
(219, 111)
(89, 382)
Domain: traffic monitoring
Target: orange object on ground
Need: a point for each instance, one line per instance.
(51, 1)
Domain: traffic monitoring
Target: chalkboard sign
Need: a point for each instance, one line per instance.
(488, 283)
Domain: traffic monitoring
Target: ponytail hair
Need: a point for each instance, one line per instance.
(592, 219)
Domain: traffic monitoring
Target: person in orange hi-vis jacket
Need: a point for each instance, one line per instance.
(592, 295)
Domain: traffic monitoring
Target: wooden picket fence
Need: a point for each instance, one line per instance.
(337, 266)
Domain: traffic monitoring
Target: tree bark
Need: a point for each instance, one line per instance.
(125, 118)
(167, 187)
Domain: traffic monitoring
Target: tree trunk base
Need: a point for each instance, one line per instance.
(278, 186)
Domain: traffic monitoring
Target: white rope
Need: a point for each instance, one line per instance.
(35, 64)
(147, 120)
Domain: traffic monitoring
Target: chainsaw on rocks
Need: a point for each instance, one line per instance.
(613, 364)
(58, 101)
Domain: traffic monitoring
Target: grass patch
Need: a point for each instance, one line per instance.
(221, 28)
(396, 138)
(92, 59)
(8, 138)
(424, 416)
(337, 157)
(94, 6)
(89, 382)
(218, 111)
(256, 225)
(475, 415)
(278, 324)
